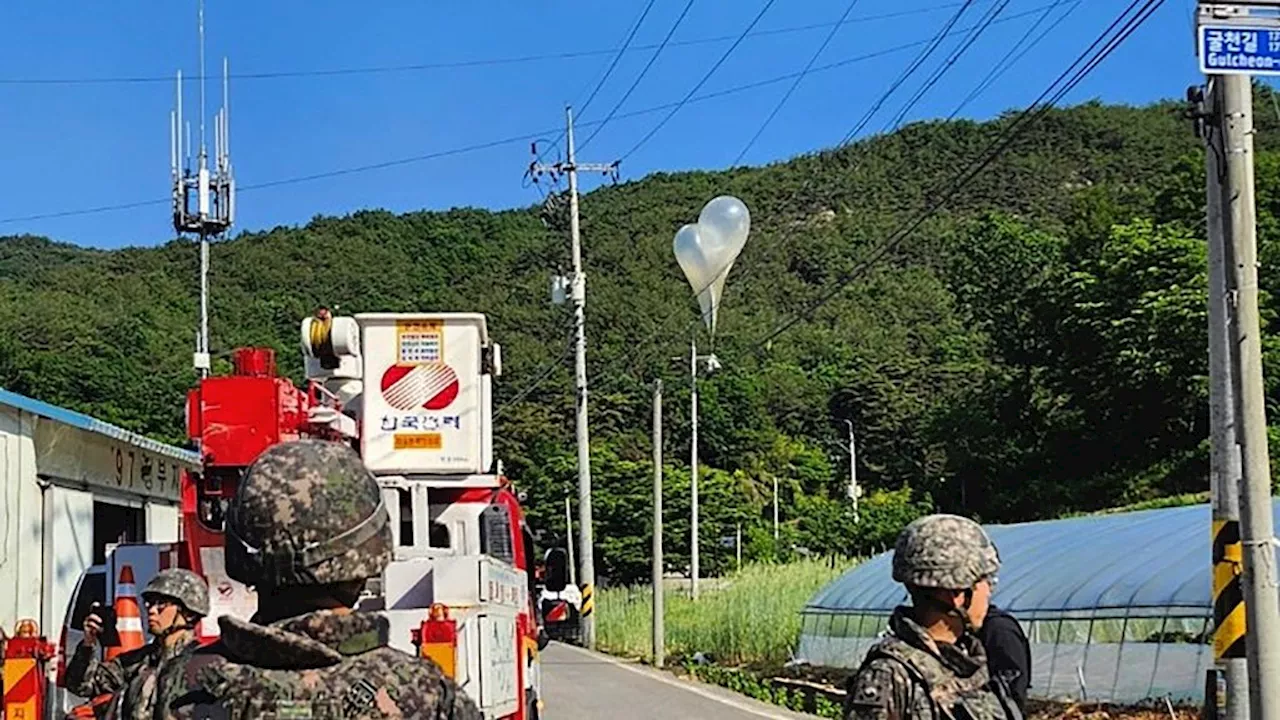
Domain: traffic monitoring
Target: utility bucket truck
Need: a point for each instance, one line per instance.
(412, 392)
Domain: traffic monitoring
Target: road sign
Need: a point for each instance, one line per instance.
(1239, 49)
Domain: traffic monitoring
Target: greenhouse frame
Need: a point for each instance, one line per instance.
(1117, 608)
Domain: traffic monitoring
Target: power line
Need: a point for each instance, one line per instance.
(1001, 143)
(87, 211)
(458, 64)
(621, 51)
(520, 138)
(1001, 67)
(543, 373)
(947, 65)
(1007, 136)
(906, 73)
(296, 179)
(787, 95)
(663, 325)
(643, 72)
(608, 71)
(701, 82)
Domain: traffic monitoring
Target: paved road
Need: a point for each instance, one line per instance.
(581, 685)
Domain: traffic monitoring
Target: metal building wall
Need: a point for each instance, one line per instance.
(21, 520)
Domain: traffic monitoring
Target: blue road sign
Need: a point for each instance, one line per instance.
(1239, 50)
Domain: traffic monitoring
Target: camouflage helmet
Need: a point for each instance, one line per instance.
(307, 512)
(183, 586)
(944, 551)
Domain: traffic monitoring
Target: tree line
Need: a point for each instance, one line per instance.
(1037, 348)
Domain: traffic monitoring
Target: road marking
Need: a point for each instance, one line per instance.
(662, 678)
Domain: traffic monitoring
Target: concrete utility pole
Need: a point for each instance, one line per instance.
(1231, 676)
(737, 545)
(775, 507)
(855, 492)
(579, 293)
(1234, 103)
(1235, 41)
(712, 364)
(693, 468)
(659, 632)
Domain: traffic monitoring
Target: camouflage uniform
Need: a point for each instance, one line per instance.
(308, 514)
(152, 675)
(909, 675)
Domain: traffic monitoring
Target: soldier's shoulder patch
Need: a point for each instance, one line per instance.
(872, 688)
(869, 694)
(359, 696)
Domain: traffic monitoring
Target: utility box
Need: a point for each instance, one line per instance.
(427, 406)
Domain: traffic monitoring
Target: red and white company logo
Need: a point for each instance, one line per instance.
(409, 387)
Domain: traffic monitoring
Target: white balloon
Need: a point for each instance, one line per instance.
(731, 221)
(707, 250)
(688, 250)
(690, 246)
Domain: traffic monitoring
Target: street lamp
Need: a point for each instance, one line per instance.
(705, 252)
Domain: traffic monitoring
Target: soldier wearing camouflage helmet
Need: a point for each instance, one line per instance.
(151, 676)
(930, 663)
(306, 528)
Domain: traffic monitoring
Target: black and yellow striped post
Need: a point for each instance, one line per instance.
(1228, 593)
(588, 600)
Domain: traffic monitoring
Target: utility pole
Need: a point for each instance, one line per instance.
(693, 466)
(1234, 103)
(775, 507)
(568, 541)
(1230, 675)
(659, 632)
(855, 492)
(713, 364)
(214, 193)
(737, 545)
(579, 293)
(1231, 39)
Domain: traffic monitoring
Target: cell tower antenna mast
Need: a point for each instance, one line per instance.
(213, 192)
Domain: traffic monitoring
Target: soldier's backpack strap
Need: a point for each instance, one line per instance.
(887, 649)
(945, 698)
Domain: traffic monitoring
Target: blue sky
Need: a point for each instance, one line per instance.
(71, 146)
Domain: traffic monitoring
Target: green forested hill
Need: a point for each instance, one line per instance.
(1036, 348)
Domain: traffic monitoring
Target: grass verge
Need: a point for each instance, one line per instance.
(749, 617)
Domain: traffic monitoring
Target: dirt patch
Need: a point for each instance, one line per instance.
(820, 691)
(1037, 710)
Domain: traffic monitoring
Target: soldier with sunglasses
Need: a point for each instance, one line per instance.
(145, 680)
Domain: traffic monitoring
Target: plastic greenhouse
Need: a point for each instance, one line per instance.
(1117, 607)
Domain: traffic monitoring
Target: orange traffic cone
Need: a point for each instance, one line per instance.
(128, 616)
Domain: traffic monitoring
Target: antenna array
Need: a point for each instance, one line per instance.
(211, 192)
